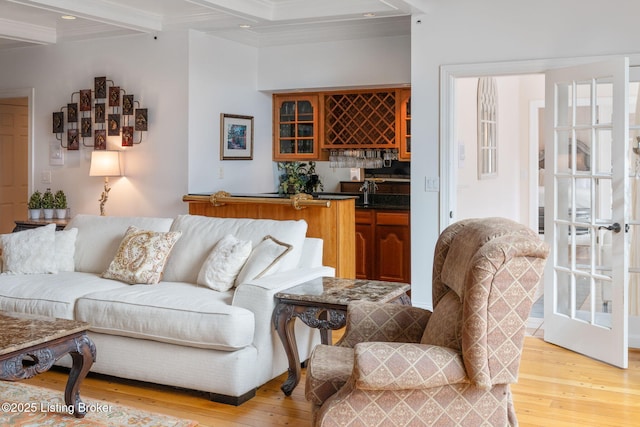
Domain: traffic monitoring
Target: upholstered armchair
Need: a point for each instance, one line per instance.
(402, 365)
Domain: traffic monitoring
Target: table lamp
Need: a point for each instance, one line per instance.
(106, 164)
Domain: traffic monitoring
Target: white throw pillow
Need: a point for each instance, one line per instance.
(65, 244)
(265, 258)
(29, 251)
(223, 264)
(141, 256)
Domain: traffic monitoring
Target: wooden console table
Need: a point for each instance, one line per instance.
(30, 345)
(322, 303)
(28, 224)
(330, 218)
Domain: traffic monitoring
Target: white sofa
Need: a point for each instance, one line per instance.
(175, 332)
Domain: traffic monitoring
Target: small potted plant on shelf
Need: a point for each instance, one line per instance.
(60, 204)
(35, 204)
(47, 204)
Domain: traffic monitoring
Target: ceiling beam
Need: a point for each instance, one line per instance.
(23, 31)
(101, 11)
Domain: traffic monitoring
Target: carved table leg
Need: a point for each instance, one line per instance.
(284, 321)
(83, 357)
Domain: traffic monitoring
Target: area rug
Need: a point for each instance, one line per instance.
(27, 405)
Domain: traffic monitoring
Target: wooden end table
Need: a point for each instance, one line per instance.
(322, 303)
(31, 344)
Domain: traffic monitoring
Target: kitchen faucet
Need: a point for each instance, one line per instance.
(366, 188)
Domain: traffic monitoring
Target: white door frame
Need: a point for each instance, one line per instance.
(449, 150)
(448, 147)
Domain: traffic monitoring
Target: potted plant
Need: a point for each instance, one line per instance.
(298, 178)
(35, 204)
(47, 204)
(60, 204)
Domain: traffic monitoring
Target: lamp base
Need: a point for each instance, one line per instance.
(105, 195)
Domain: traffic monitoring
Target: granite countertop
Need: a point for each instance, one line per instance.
(319, 196)
(376, 201)
(384, 201)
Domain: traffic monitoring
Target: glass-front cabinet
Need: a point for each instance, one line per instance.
(295, 127)
(405, 125)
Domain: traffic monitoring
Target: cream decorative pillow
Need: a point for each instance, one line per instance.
(223, 264)
(65, 249)
(29, 251)
(265, 258)
(141, 256)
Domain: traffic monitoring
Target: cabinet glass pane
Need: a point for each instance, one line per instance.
(287, 111)
(287, 131)
(305, 146)
(287, 146)
(408, 144)
(305, 130)
(305, 111)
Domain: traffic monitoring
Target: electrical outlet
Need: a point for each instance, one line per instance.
(45, 177)
(221, 172)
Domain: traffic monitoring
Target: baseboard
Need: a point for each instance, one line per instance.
(232, 400)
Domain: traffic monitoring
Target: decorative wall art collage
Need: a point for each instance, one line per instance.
(105, 111)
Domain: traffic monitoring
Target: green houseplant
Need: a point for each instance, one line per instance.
(298, 178)
(60, 204)
(47, 204)
(35, 205)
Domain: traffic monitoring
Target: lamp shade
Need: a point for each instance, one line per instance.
(105, 163)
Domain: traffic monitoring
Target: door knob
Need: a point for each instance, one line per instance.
(615, 227)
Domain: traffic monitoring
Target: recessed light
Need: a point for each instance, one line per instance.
(369, 15)
(245, 26)
(68, 17)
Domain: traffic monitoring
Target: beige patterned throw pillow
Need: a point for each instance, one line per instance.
(264, 259)
(141, 256)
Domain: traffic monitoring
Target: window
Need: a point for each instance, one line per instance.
(487, 128)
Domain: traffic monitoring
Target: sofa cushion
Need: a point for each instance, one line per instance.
(175, 313)
(65, 249)
(51, 295)
(223, 264)
(99, 237)
(141, 257)
(29, 251)
(265, 259)
(200, 234)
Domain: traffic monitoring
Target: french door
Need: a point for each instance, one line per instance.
(586, 214)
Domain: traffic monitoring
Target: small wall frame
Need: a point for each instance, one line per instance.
(236, 137)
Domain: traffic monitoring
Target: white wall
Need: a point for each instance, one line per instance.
(499, 195)
(222, 79)
(350, 63)
(468, 32)
(155, 72)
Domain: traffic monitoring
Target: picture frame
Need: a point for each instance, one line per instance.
(236, 137)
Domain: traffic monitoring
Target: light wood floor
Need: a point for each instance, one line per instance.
(556, 388)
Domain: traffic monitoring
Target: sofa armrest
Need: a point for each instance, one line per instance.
(404, 366)
(369, 321)
(258, 296)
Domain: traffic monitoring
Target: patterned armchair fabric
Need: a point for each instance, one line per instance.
(399, 365)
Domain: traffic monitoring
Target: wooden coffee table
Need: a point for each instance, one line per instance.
(31, 344)
(322, 303)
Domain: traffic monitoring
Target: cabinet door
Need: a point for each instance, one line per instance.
(405, 125)
(365, 243)
(295, 127)
(393, 247)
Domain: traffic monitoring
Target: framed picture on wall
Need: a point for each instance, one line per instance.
(236, 137)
